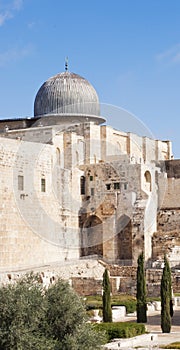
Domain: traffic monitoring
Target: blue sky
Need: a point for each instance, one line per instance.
(128, 49)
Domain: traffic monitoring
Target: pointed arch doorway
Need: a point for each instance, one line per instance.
(124, 238)
(92, 237)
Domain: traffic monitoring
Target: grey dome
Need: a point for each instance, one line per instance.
(66, 93)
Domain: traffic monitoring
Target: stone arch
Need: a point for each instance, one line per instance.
(147, 181)
(92, 236)
(124, 238)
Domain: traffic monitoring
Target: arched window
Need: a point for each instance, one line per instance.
(58, 156)
(147, 181)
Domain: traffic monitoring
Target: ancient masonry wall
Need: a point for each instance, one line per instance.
(85, 277)
(125, 283)
(167, 237)
(34, 231)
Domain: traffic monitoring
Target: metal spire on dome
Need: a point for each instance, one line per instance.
(66, 64)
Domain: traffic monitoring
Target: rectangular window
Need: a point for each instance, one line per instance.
(20, 183)
(108, 186)
(92, 191)
(116, 185)
(43, 185)
(91, 178)
(125, 186)
(82, 184)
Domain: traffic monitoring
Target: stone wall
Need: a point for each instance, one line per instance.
(125, 283)
(168, 220)
(86, 277)
(87, 286)
(171, 189)
(33, 231)
(167, 238)
(42, 225)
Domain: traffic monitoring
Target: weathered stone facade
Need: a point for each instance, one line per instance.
(167, 237)
(71, 187)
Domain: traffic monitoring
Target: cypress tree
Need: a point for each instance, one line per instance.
(141, 291)
(106, 298)
(166, 298)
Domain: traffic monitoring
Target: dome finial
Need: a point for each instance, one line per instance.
(66, 64)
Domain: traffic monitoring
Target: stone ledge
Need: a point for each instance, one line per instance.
(140, 340)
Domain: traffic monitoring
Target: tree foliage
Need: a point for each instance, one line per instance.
(166, 298)
(106, 298)
(141, 291)
(52, 319)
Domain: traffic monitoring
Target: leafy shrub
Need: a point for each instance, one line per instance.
(129, 304)
(175, 345)
(95, 302)
(32, 317)
(121, 329)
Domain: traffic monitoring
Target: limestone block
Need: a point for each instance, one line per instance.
(157, 305)
(118, 312)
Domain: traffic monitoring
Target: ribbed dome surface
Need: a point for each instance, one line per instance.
(66, 93)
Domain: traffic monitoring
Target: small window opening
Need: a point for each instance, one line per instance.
(91, 178)
(20, 183)
(108, 186)
(147, 178)
(43, 185)
(82, 184)
(116, 185)
(92, 191)
(77, 158)
(58, 156)
(125, 186)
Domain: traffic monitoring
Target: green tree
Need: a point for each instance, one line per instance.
(66, 320)
(21, 311)
(106, 298)
(141, 291)
(166, 298)
(38, 319)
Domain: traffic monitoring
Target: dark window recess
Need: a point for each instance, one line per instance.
(82, 184)
(125, 186)
(92, 191)
(20, 183)
(43, 185)
(116, 185)
(91, 178)
(108, 186)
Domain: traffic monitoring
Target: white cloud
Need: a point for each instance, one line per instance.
(31, 25)
(172, 55)
(15, 54)
(9, 10)
(4, 17)
(17, 5)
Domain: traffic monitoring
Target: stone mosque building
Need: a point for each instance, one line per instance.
(72, 187)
